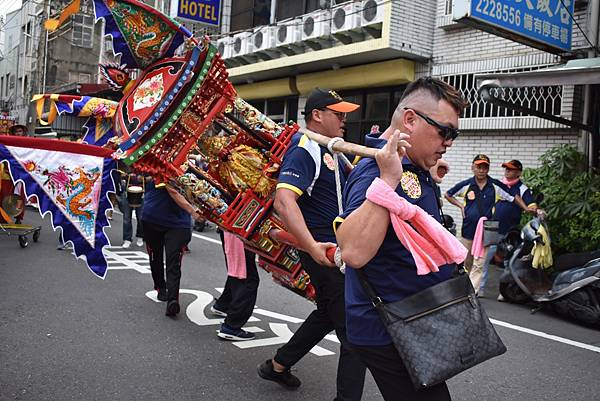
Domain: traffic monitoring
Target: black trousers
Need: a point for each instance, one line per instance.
(329, 315)
(387, 368)
(165, 244)
(239, 296)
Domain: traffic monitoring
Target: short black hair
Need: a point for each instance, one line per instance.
(440, 90)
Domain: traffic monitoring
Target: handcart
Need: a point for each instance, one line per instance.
(10, 228)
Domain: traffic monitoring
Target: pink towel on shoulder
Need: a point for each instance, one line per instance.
(430, 244)
(234, 252)
(477, 249)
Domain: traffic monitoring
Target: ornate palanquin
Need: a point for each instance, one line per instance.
(182, 123)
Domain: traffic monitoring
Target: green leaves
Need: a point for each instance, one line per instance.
(571, 199)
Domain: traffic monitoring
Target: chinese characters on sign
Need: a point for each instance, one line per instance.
(548, 22)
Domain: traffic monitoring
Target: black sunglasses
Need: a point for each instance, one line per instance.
(446, 132)
(340, 115)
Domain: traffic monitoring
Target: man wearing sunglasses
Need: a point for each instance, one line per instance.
(427, 117)
(306, 201)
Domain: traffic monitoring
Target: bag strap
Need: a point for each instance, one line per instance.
(373, 297)
(438, 200)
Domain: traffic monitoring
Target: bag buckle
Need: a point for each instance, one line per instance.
(377, 302)
(472, 300)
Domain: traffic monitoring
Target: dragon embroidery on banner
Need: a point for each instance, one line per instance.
(148, 32)
(75, 194)
(79, 199)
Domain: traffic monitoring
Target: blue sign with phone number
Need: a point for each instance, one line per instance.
(545, 21)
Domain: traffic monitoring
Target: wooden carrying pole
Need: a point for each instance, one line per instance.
(340, 146)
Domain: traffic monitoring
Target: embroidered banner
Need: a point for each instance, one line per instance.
(71, 184)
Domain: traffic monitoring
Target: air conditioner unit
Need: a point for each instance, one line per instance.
(288, 32)
(264, 38)
(224, 47)
(241, 44)
(345, 17)
(316, 24)
(372, 12)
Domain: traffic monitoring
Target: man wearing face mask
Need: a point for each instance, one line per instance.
(306, 201)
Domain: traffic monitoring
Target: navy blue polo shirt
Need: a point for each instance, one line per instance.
(392, 271)
(509, 213)
(160, 208)
(308, 170)
(469, 192)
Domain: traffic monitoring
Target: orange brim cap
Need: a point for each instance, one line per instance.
(510, 165)
(481, 162)
(343, 107)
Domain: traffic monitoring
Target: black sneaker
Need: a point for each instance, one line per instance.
(172, 308)
(231, 334)
(285, 378)
(217, 312)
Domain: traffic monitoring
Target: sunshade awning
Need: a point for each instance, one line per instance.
(574, 72)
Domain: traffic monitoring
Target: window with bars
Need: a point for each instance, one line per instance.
(544, 98)
(448, 7)
(82, 34)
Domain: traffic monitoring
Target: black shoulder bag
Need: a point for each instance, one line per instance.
(440, 331)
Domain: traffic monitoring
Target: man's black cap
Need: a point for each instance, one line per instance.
(325, 98)
(481, 159)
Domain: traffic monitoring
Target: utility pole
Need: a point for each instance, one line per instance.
(42, 55)
(39, 83)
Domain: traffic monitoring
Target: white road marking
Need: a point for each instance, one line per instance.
(205, 238)
(332, 337)
(127, 260)
(279, 316)
(253, 329)
(546, 335)
(283, 335)
(195, 310)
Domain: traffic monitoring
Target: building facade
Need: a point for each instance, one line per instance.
(368, 50)
(277, 51)
(19, 64)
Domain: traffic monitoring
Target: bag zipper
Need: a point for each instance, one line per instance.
(469, 297)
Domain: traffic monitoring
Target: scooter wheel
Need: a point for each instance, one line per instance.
(513, 293)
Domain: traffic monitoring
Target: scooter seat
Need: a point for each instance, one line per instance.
(573, 275)
(574, 260)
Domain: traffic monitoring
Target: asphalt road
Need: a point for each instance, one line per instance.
(67, 335)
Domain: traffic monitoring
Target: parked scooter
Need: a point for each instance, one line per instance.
(572, 289)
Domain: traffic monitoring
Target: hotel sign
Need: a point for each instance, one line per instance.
(545, 24)
(206, 12)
